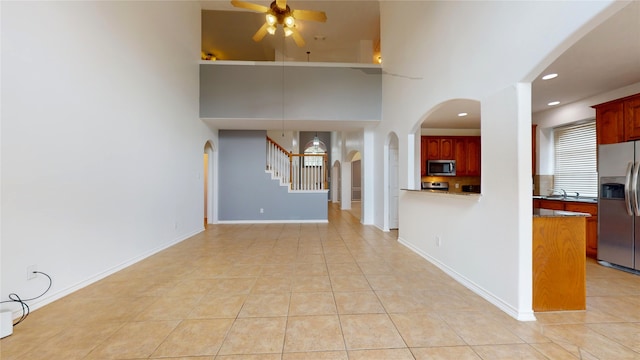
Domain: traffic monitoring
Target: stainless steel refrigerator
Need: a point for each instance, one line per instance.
(618, 210)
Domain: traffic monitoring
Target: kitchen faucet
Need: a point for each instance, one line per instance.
(564, 193)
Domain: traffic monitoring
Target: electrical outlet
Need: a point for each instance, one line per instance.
(30, 272)
(261, 211)
(438, 241)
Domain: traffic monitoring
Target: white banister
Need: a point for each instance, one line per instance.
(292, 169)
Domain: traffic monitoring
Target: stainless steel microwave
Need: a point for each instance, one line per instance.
(441, 167)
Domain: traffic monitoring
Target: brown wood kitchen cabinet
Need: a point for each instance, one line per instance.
(551, 204)
(592, 224)
(460, 147)
(464, 149)
(632, 118)
(467, 155)
(423, 155)
(591, 221)
(440, 148)
(558, 263)
(618, 120)
(473, 156)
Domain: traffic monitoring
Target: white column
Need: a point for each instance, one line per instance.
(368, 177)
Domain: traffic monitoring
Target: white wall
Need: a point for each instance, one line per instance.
(474, 50)
(102, 145)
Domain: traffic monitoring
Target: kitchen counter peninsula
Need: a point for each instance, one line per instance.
(557, 213)
(559, 262)
(447, 193)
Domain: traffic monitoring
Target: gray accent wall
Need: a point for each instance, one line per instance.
(245, 187)
(310, 92)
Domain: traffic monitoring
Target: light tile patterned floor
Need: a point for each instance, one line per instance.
(314, 291)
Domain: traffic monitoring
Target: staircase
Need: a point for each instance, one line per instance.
(299, 172)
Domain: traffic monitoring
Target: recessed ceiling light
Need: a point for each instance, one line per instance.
(549, 76)
(463, 114)
(553, 103)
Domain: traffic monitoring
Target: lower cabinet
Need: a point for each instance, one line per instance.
(592, 221)
(558, 263)
(592, 224)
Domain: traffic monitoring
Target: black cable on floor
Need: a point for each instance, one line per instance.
(13, 297)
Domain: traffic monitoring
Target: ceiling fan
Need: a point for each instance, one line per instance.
(279, 13)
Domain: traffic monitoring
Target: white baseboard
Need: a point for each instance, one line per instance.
(273, 221)
(496, 301)
(71, 289)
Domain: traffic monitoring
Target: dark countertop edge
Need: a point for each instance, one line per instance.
(442, 193)
(586, 200)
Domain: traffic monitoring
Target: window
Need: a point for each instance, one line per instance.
(315, 147)
(575, 159)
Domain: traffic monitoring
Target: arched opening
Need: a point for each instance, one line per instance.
(391, 186)
(450, 147)
(352, 184)
(208, 170)
(336, 182)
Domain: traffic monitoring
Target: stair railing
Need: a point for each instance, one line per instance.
(301, 172)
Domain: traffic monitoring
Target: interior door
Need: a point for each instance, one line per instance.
(356, 181)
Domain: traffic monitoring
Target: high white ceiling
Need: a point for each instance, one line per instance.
(606, 59)
(227, 32)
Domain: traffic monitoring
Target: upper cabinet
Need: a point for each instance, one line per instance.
(460, 148)
(632, 118)
(473, 156)
(618, 120)
(439, 148)
(464, 149)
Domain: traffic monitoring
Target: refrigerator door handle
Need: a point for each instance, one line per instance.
(628, 190)
(634, 189)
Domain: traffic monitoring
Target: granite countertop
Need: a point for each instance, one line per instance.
(556, 213)
(585, 199)
(444, 192)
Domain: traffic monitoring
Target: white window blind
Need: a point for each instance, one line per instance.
(575, 159)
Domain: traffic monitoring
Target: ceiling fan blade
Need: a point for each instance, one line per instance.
(281, 4)
(297, 38)
(311, 15)
(249, 6)
(260, 33)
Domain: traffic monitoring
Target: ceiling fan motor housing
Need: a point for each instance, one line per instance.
(282, 15)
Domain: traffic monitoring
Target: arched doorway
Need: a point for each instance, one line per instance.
(336, 182)
(208, 170)
(352, 184)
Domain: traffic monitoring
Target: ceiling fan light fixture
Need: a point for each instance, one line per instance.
(287, 31)
(289, 21)
(271, 29)
(271, 19)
